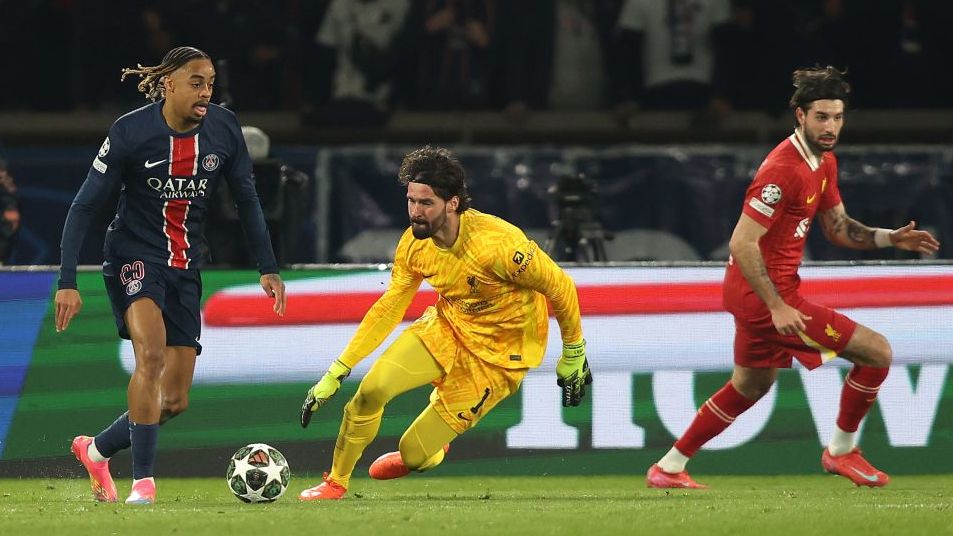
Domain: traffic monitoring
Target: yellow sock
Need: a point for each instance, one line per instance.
(428, 433)
(432, 461)
(357, 431)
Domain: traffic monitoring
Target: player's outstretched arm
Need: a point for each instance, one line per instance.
(910, 238)
(380, 320)
(842, 230)
(539, 272)
(321, 393)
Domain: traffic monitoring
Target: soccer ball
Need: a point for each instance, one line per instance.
(258, 473)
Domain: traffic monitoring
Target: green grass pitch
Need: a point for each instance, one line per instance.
(455, 506)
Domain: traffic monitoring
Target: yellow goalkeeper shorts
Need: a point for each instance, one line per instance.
(471, 388)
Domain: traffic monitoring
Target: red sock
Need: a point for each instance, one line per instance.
(716, 414)
(860, 391)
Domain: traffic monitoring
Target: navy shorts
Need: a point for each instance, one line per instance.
(178, 293)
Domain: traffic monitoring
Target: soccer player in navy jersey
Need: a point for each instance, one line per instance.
(774, 324)
(166, 157)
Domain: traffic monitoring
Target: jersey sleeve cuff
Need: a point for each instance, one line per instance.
(61, 284)
(759, 212)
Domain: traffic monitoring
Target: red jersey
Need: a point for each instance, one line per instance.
(791, 186)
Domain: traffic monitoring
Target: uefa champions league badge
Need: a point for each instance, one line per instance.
(133, 287)
(104, 149)
(210, 162)
(771, 194)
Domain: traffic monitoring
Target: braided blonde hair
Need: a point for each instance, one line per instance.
(151, 76)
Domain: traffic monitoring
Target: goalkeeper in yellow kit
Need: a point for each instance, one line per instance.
(475, 344)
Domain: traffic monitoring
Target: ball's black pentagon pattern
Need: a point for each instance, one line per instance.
(256, 478)
(272, 490)
(237, 483)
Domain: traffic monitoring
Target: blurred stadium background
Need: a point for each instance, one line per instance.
(667, 107)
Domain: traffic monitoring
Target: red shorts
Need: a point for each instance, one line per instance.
(759, 345)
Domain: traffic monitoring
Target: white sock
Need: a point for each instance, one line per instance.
(673, 461)
(841, 442)
(94, 454)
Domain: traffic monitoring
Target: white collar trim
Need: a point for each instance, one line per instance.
(798, 141)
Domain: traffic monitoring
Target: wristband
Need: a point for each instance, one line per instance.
(574, 350)
(882, 238)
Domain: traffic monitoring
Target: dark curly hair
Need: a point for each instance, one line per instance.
(438, 168)
(818, 83)
(151, 83)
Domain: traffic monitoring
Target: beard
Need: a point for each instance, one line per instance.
(421, 230)
(426, 229)
(818, 147)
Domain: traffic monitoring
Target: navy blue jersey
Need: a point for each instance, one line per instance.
(166, 179)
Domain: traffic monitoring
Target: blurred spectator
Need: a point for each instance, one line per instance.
(871, 39)
(555, 54)
(756, 51)
(674, 50)
(580, 59)
(454, 64)
(830, 37)
(253, 37)
(908, 36)
(9, 212)
(366, 36)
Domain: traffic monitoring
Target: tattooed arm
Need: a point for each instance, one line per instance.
(842, 230)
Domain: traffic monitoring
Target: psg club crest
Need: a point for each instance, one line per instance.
(133, 287)
(771, 194)
(210, 162)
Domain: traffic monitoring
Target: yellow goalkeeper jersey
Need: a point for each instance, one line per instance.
(492, 286)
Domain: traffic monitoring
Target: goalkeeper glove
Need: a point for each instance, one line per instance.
(572, 373)
(320, 393)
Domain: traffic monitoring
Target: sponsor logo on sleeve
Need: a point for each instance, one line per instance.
(523, 261)
(99, 165)
(771, 194)
(759, 205)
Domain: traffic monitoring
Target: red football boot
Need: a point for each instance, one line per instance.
(326, 490)
(391, 465)
(657, 478)
(853, 466)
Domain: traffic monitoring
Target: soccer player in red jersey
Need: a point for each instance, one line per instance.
(773, 322)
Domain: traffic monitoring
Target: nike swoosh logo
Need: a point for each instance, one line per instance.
(869, 478)
(811, 199)
(154, 164)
